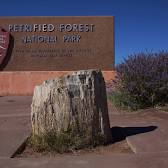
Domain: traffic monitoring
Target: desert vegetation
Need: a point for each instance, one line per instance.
(141, 81)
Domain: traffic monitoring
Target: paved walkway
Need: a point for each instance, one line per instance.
(145, 132)
(14, 123)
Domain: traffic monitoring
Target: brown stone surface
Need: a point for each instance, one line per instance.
(95, 48)
(23, 83)
(151, 147)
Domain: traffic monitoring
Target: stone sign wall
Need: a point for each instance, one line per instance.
(56, 43)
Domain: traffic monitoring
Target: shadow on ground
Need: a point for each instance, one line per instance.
(120, 133)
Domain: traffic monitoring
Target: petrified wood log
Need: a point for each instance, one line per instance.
(73, 106)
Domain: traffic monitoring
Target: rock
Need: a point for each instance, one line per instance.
(75, 105)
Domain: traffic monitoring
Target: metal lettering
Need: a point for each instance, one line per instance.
(50, 27)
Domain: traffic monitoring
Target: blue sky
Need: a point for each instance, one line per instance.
(140, 25)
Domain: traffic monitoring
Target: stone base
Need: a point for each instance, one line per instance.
(23, 82)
